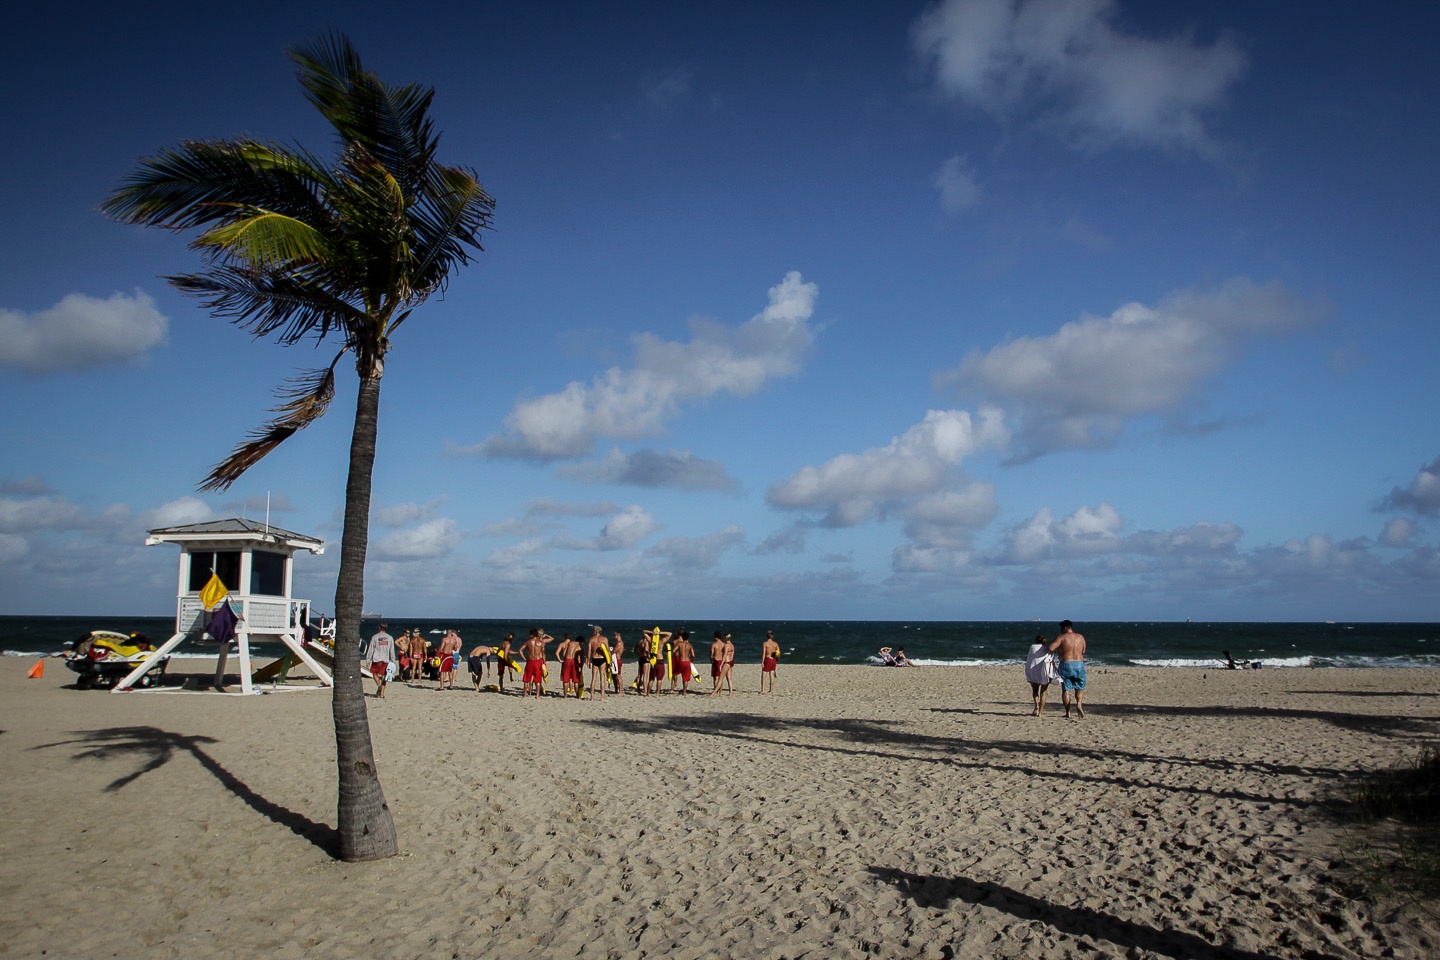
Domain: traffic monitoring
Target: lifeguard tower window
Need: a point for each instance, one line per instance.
(267, 573)
(225, 563)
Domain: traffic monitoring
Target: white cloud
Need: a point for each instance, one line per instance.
(1422, 496)
(698, 553)
(636, 402)
(80, 332)
(1069, 64)
(31, 486)
(12, 548)
(951, 518)
(955, 181)
(1076, 388)
(679, 469)
(433, 538)
(176, 513)
(402, 513)
(1398, 532)
(621, 532)
(923, 460)
(1085, 532)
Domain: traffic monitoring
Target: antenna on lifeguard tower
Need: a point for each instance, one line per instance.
(267, 513)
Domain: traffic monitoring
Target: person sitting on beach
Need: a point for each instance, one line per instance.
(769, 658)
(1072, 666)
(1040, 670)
(534, 653)
(887, 659)
(901, 660)
(479, 663)
(380, 655)
(1230, 663)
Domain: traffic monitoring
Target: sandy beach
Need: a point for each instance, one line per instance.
(858, 812)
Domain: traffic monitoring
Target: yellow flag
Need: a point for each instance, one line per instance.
(214, 592)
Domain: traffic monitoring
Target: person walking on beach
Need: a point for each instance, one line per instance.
(769, 658)
(534, 653)
(727, 665)
(717, 660)
(479, 663)
(380, 655)
(598, 656)
(1071, 646)
(504, 660)
(659, 654)
(1040, 671)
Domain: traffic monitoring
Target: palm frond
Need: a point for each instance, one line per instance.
(266, 239)
(446, 219)
(213, 181)
(306, 397)
(290, 306)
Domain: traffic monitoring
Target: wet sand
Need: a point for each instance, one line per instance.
(858, 812)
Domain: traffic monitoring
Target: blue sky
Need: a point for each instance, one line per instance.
(980, 309)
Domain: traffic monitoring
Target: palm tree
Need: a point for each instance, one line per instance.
(296, 247)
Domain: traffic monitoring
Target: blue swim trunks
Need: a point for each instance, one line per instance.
(1072, 674)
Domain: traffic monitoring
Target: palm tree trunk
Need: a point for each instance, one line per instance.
(367, 831)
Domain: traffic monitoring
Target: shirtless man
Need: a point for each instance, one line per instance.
(480, 662)
(503, 656)
(1072, 666)
(567, 653)
(597, 654)
(533, 651)
(617, 663)
(418, 646)
(727, 665)
(769, 657)
(659, 647)
(449, 658)
(684, 662)
(643, 652)
(717, 661)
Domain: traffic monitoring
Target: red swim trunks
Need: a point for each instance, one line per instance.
(714, 668)
(569, 672)
(447, 663)
(534, 671)
(378, 669)
(657, 670)
(769, 665)
(683, 669)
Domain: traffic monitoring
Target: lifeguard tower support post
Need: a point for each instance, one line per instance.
(255, 561)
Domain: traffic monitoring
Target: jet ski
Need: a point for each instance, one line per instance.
(103, 658)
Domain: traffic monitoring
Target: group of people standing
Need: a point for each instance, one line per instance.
(658, 654)
(1042, 668)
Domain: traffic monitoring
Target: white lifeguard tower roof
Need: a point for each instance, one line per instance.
(250, 531)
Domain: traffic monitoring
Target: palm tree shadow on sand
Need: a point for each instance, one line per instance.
(1081, 922)
(156, 747)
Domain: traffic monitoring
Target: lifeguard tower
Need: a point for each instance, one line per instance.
(255, 562)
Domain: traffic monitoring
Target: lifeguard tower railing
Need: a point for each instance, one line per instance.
(273, 615)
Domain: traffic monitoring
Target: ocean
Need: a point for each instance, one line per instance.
(928, 643)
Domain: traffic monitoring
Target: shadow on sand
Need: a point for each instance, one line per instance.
(942, 892)
(155, 748)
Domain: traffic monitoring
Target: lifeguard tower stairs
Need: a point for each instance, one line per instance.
(255, 561)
